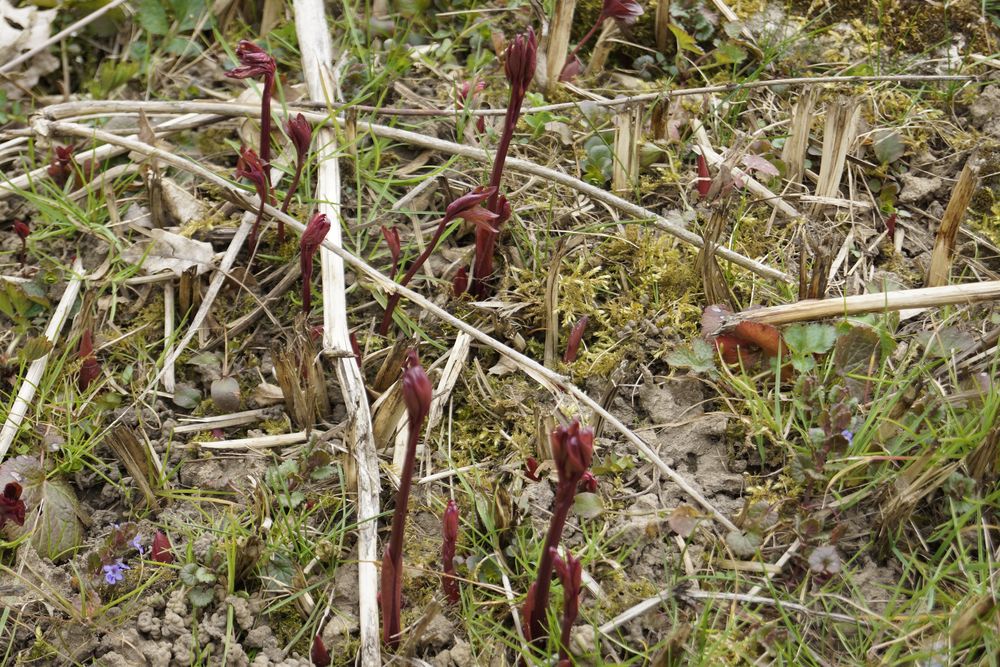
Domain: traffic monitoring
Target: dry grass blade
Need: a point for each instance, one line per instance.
(625, 170)
(944, 243)
(300, 376)
(125, 444)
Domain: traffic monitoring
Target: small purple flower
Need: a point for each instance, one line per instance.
(137, 543)
(115, 572)
(848, 435)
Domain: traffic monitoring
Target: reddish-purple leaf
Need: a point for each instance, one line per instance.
(626, 11)
(319, 655)
(11, 505)
(391, 236)
(890, 226)
(449, 530)
(575, 336)
(759, 164)
(704, 177)
(22, 229)
(460, 283)
(162, 551)
(571, 69)
(312, 239)
(90, 369)
(531, 469)
(570, 573)
(588, 483)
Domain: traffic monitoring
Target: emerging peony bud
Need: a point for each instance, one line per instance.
(520, 62)
(312, 239)
(300, 132)
(417, 390)
(254, 61)
(573, 450)
(626, 11)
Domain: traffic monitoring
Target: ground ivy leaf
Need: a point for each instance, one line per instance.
(888, 146)
(699, 357)
(588, 505)
(186, 396)
(152, 16)
(201, 596)
(805, 339)
(51, 506)
(743, 545)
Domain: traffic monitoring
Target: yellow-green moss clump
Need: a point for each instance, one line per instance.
(908, 25)
(984, 211)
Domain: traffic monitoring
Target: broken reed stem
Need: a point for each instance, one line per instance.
(558, 43)
(793, 153)
(625, 169)
(602, 47)
(661, 29)
(817, 309)
(838, 135)
(33, 376)
(635, 211)
(550, 380)
(944, 244)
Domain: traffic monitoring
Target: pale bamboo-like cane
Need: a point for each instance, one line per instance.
(36, 370)
(317, 64)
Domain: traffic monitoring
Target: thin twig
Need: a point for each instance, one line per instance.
(643, 97)
(554, 382)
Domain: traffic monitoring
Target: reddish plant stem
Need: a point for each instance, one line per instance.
(390, 305)
(565, 493)
(586, 38)
(299, 165)
(265, 141)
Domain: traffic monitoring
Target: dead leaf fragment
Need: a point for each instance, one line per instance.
(170, 252)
